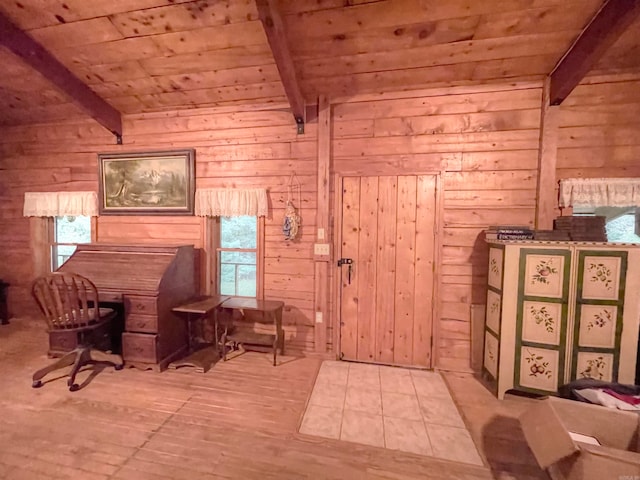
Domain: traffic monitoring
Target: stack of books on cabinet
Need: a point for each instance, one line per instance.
(582, 228)
(509, 232)
(551, 235)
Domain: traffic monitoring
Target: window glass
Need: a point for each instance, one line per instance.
(69, 231)
(237, 256)
(622, 229)
(620, 222)
(238, 232)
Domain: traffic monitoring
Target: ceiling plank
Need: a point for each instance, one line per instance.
(34, 55)
(274, 28)
(602, 32)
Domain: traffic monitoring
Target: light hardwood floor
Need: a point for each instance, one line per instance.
(239, 420)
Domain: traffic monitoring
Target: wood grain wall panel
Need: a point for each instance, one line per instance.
(599, 134)
(612, 156)
(482, 139)
(241, 148)
(517, 69)
(485, 145)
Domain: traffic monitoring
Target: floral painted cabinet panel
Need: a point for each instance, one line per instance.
(543, 293)
(599, 314)
(559, 311)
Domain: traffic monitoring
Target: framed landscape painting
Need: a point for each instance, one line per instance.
(147, 183)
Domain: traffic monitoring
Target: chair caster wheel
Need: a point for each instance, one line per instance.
(74, 387)
(119, 367)
(36, 384)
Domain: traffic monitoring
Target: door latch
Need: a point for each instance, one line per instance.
(349, 262)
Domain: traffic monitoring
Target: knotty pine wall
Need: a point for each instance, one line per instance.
(600, 129)
(249, 147)
(482, 140)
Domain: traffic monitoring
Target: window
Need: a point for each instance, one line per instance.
(68, 232)
(621, 222)
(237, 255)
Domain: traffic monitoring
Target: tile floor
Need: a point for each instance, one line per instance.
(390, 407)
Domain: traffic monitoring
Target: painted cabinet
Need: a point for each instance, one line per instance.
(559, 311)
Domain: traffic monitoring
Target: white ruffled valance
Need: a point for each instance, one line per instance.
(600, 192)
(59, 204)
(225, 202)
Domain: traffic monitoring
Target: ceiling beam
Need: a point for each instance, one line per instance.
(34, 55)
(274, 28)
(604, 29)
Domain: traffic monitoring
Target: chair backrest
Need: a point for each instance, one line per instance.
(67, 300)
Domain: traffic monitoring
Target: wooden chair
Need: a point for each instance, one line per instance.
(69, 303)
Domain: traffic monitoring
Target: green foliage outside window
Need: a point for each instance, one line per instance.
(238, 268)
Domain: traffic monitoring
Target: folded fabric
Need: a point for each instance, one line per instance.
(600, 397)
(630, 399)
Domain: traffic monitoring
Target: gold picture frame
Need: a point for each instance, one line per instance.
(147, 183)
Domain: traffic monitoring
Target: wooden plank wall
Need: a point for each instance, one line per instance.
(600, 129)
(484, 140)
(237, 147)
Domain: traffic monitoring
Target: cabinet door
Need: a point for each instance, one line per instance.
(598, 314)
(494, 310)
(541, 323)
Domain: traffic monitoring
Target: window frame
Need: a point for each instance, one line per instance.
(52, 243)
(212, 249)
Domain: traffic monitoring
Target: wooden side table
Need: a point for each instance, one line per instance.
(271, 313)
(201, 356)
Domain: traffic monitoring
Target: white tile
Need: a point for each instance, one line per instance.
(363, 368)
(429, 384)
(360, 427)
(322, 421)
(363, 400)
(440, 411)
(364, 376)
(453, 444)
(406, 435)
(333, 372)
(400, 405)
(396, 380)
(328, 395)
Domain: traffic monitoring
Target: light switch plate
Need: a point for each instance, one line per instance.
(321, 249)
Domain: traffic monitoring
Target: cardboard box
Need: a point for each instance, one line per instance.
(547, 425)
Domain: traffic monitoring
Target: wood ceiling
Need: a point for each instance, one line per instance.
(153, 55)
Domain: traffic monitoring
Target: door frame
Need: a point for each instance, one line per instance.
(336, 287)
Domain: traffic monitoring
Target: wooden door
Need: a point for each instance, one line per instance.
(388, 231)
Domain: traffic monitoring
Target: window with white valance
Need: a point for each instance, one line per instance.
(599, 192)
(225, 202)
(60, 204)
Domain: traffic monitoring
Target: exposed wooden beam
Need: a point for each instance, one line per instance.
(34, 55)
(546, 195)
(604, 29)
(274, 28)
(321, 265)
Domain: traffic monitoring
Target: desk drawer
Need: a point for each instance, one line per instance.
(137, 304)
(140, 347)
(141, 323)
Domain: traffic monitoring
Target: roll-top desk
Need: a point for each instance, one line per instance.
(149, 281)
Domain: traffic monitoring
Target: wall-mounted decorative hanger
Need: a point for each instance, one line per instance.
(291, 222)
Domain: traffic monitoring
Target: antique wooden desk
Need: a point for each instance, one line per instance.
(148, 281)
(200, 309)
(270, 312)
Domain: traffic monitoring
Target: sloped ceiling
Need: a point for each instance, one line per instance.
(154, 55)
